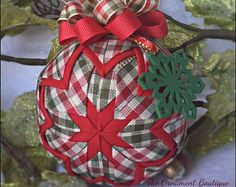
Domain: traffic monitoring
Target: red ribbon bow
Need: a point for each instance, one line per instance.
(88, 30)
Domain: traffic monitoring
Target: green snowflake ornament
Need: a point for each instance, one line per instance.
(174, 87)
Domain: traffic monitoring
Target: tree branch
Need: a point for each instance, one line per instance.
(21, 160)
(25, 61)
(183, 25)
(17, 26)
(207, 33)
(200, 33)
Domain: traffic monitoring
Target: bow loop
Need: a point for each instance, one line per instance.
(66, 33)
(89, 20)
(71, 10)
(140, 7)
(154, 25)
(106, 9)
(87, 6)
(124, 25)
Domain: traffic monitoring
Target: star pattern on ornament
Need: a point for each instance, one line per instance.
(100, 131)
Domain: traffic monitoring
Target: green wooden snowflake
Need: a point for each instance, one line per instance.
(174, 87)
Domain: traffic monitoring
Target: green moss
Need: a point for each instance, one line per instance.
(217, 12)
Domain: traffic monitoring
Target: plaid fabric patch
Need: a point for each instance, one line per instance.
(101, 90)
(128, 104)
(79, 83)
(109, 47)
(78, 166)
(146, 146)
(95, 166)
(64, 146)
(73, 99)
(137, 133)
(78, 7)
(73, 9)
(101, 166)
(55, 69)
(140, 6)
(56, 99)
(123, 63)
(145, 154)
(136, 5)
(176, 127)
(87, 5)
(63, 126)
(108, 168)
(105, 9)
(125, 171)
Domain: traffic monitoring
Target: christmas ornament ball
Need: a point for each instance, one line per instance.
(101, 102)
(95, 117)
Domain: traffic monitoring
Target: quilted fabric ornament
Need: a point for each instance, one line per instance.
(95, 107)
